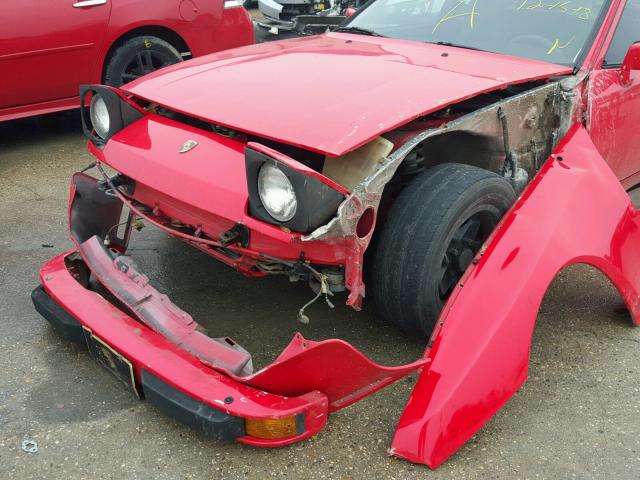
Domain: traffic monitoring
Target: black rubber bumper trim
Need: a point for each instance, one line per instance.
(62, 321)
(213, 423)
(197, 415)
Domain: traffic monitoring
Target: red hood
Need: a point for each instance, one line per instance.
(331, 93)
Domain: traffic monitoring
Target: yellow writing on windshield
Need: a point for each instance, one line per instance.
(456, 12)
(558, 46)
(569, 6)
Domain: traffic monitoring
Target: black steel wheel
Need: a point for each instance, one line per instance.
(464, 244)
(433, 231)
(137, 57)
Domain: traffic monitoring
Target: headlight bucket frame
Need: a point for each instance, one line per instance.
(121, 111)
(318, 202)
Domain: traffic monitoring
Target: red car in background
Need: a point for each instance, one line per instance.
(47, 49)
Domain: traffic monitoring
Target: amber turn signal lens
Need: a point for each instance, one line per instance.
(270, 428)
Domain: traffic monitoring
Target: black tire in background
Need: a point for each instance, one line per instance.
(138, 56)
(434, 229)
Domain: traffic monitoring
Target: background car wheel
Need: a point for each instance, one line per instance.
(434, 229)
(137, 57)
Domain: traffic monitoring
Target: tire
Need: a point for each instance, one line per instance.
(428, 241)
(138, 56)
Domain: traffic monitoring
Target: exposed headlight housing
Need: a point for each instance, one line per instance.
(99, 116)
(109, 112)
(277, 193)
(284, 195)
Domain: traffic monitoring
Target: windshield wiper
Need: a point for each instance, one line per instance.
(359, 31)
(457, 45)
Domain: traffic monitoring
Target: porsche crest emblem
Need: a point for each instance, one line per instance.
(188, 145)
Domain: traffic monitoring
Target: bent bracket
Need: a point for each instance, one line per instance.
(574, 211)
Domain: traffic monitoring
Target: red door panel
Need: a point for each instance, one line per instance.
(614, 119)
(614, 108)
(47, 48)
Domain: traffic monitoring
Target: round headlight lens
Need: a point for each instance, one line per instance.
(99, 116)
(276, 193)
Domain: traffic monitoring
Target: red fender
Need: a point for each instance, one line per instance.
(574, 211)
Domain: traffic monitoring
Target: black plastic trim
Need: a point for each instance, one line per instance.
(203, 418)
(209, 421)
(62, 321)
(317, 201)
(121, 114)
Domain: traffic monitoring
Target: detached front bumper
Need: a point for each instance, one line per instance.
(196, 414)
(176, 382)
(207, 383)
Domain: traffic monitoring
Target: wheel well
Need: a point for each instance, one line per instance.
(464, 147)
(604, 293)
(460, 146)
(164, 33)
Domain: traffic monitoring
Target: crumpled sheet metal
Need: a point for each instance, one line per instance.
(530, 115)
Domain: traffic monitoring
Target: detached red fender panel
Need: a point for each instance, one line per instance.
(574, 211)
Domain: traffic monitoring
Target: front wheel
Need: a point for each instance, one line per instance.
(138, 56)
(433, 231)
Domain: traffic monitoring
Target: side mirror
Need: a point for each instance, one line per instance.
(631, 63)
(349, 12)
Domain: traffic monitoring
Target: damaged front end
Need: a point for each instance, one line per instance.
(160, 350)
(477, 355)
(96, 295)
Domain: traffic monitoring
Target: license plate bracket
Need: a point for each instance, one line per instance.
(111, 360)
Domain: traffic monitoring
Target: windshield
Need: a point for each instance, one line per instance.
(549, 30)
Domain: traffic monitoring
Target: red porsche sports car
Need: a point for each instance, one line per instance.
(454, 155)
(48, 48)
